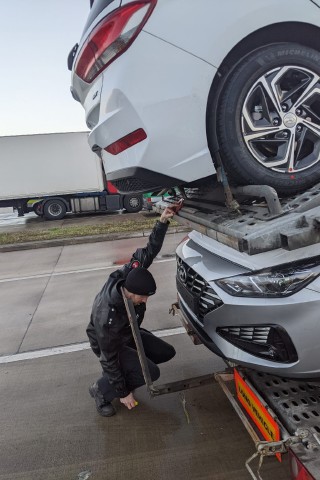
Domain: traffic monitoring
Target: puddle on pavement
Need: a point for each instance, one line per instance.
(84, 475)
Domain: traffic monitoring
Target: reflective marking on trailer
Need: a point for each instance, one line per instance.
(78, 347)
(257, 412)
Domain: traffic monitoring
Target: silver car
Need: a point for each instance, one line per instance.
(260, 311)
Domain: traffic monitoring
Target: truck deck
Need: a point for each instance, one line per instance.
(293, 406)
(297, 405)
(260, 222)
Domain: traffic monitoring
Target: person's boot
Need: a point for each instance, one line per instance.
(106, 409)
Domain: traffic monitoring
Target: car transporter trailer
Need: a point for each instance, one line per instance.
(281, 415)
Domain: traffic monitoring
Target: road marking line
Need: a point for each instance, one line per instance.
(72, 272)
(78, 347)
(169, 331)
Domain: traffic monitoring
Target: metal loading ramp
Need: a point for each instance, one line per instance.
(297, 404)
(258, 222)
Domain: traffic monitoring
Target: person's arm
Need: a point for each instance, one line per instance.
(167, 214)
(143, 257)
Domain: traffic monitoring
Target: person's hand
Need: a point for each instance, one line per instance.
(170, 211)
(129, 401)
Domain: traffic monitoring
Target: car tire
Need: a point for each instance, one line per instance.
(132, 203)
(268, 121)
(54, 209)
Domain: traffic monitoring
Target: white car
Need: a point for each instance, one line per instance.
(169, 85)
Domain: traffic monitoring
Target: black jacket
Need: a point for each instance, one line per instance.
(109, 329)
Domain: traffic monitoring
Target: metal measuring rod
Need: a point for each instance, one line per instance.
(156, 390)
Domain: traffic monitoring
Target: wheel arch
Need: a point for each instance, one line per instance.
(305, 34)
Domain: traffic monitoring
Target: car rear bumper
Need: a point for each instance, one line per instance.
(170, 106)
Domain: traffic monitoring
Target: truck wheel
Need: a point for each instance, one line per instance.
(54, 209)
(132, 203)
(38, 209)
(268, 121)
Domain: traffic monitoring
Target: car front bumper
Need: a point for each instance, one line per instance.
(297, 316)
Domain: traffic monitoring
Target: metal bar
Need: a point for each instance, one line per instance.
(185, 384)
(265, 191)
(138, 341)
(220, 378)
(231, 202)
(156, 390)
(247, 465)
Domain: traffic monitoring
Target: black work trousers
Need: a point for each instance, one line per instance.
(157, 351)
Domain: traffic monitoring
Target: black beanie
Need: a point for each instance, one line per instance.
(140, 282)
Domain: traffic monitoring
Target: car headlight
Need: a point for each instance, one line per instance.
(280, 281)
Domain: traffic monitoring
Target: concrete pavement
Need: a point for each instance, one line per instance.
(46, 295)
(50, 429)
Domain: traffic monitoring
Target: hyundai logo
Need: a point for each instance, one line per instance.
(290, 120)
(182, 274)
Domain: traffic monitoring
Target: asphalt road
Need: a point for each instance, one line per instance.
(50, 429)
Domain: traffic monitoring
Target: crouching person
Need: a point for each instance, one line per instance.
(110, 333)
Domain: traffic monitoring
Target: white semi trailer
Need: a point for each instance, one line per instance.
(52, 174)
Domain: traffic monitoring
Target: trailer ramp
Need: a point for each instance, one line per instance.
(261, 222)
(289, 409)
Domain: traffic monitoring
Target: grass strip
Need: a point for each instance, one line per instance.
(77, 231)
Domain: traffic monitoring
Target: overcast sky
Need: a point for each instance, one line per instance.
(36, 37)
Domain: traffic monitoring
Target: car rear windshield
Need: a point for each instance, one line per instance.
(96, 9)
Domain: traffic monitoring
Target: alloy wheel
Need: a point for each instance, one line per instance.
(281, 119)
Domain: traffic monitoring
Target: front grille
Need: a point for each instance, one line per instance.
(134, 184)
(196, 291)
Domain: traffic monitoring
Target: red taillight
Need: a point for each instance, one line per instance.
(126, 142)
(298, 471)
(111, 37)
(111, 187)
